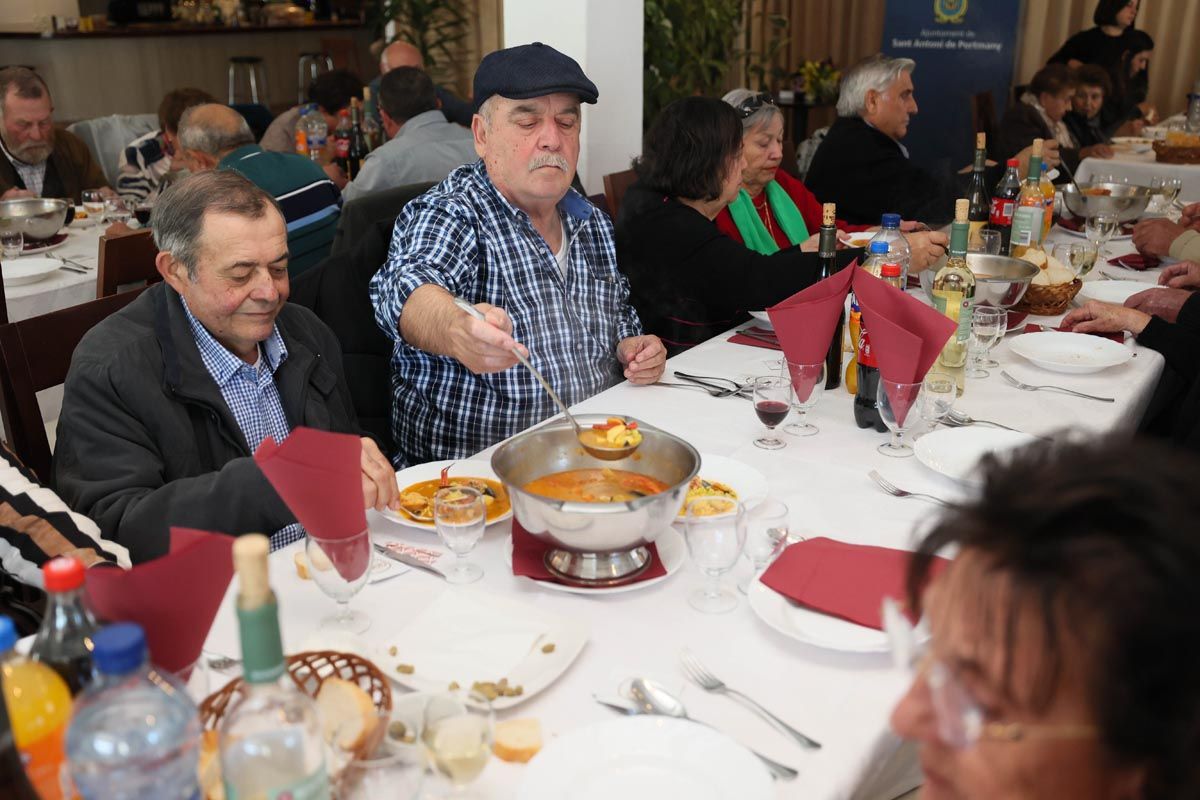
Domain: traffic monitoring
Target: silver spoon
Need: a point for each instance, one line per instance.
(654, 699)
(602, 453)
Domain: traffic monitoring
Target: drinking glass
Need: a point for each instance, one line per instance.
(394, 767)
(1171, 187)
(11, 243)
(715, 530)
(456, 736)
(772, 401)
(808, 384)
(766, 536)
(986, 241)
(460, 515)
(142, 211)
(340, 567)
(93, 204)
(987, 329)
(116, 210)
(938, 391)
(1079, 257)
(895, 401)
(1099, 228)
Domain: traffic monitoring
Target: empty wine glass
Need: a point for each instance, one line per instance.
(11, 243)
(895, 401)
(772, 401)
(766, 536)
(1168, 188)
(117, 210)
(938, 391)
(1099, 228)
(808, 384)
(456, 735)
(986, 241)
(340, 567)
(460, 515)
(715, 530)
(987, 329)
(93, 204)
(1079, 257)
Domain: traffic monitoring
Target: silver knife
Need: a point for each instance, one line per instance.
(408, 560)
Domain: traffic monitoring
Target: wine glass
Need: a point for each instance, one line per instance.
(390, 764)
(895, 401)
(766, 536)
(772, 401)
(116, 210)
(987, 328)
(460, 515)
(12, 242)
(456, 736)
(1079, 257)
(1171, 187)
(142, 211)
(340, 567)
(93, 204)
(986, 241)
(938, 391)
(1099, 228)
(715, 530)
(808, 384)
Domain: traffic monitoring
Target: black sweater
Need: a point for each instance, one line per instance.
(1174, 411)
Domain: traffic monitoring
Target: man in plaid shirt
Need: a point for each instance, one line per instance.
(509, 235)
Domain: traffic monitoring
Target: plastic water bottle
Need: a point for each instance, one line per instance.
(316, 131)
(135, 733)
(898, 249)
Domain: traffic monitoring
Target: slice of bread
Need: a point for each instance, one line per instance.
(301, 562)
(348, 717)
(517, 740)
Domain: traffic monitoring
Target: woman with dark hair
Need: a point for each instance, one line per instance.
(1131, 84)
(1064, 634)
(1103, 44)
(688, 280)
(1040, 115)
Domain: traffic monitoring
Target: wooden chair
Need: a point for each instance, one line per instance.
(983, 118)
(126, 259)
(600, 202)
(789, 163)
(615, 186)
(34, 355)
(3, 299)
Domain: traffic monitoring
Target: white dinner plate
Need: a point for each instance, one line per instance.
(812, 627)
(471, 635)
(955, 452)
(672, 551)
(1074, 353)
(29, 269)
(750, 484)
(1115, 292)
(645, 758)
(427, 472)
(859, 239)
(763, 320)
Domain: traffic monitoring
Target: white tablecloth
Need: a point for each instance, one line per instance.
(61, 289)
(1140, 168)
(841, 699)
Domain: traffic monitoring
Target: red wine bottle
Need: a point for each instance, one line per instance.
(827, 252)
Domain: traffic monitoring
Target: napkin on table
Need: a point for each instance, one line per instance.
(1119, 338)
(804, 323)
(529, 552)
(738, 338)
(174, 598)
(1136, 261)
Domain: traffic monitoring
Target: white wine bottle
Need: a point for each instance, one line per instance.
(1030, 213)
(954, 294)
(270, 738)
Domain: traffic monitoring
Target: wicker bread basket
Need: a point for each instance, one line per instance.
(1176, 154)
(1048, 301)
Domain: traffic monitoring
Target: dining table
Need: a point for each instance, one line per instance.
(842, 699)
(1134, 160)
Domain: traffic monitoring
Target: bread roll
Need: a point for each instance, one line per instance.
(348, 717)
(517, 740)
(301, 562)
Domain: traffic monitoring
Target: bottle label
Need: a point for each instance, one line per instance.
(301, 142)
(1027, 225)
(957, 307)
(1002, 211)
(343, 147)
(311, 787)
(866, 357)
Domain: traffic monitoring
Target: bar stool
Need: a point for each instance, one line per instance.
(252, 70)
(308, 67)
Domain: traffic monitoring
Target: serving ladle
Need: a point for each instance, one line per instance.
(602, 453)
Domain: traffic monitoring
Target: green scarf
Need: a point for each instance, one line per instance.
(750, 224)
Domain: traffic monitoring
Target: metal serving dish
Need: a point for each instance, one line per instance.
(1000, 281)
(36, 217)
(595, 544)
(1127, 201)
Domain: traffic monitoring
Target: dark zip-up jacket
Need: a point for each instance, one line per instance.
(146, 441)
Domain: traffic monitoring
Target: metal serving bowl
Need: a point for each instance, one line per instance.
(1000, 281)
(36, 217)
(1127, 201)
(595, 544)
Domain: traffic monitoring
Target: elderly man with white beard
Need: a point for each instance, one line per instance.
(510, 236)
(40, 161)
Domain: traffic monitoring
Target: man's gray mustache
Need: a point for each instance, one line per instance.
(549, 160)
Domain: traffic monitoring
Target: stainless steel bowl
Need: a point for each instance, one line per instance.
(36, 217)
(1000, 281)
(1127, 201)
(595, 544)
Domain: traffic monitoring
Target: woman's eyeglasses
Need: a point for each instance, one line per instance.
(753, 103)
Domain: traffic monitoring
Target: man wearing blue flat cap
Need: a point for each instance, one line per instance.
(509, 235)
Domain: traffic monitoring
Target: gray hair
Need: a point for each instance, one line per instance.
(877, 72)
(212, 139)
(761, 115)
(24, 82)
(180, 211)
(487, 109)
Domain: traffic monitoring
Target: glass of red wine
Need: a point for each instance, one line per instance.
(772, 402)
(142, 213)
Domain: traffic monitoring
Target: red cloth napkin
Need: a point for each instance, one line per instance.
(847, 581)
(529, 552)
(1119, 338)
(738, 338)
(319, 476)
(805, 322)
(174, 598)
(1136, 261)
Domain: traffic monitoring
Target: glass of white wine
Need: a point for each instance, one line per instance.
(1099, 228)
(460, 515)
(456, 735)
(1079, 257)
(93, 204)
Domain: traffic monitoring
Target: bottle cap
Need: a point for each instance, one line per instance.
(1012, 162)
(890, 270)
(828, 214)
(62, 574)
(962, 208)
(8, 634)
(980, 140)
(878, 247)
(345, 112)
(119, 648)
(891, 220)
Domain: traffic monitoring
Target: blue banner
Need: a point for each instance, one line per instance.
(961, 47)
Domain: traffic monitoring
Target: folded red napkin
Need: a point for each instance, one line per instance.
(174, 598)
(1076, 224)
(1136, 261)
(1015, 318)
(1119, 338)
(738, 338)
(805, 322)
(529, 558)
(847, 581)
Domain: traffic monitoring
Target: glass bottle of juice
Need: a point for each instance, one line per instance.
(1030, 213)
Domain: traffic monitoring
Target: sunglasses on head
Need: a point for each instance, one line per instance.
(754, 103)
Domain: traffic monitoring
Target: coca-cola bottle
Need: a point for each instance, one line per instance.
(1004, 203)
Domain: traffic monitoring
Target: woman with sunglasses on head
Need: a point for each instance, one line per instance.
(1065, 633)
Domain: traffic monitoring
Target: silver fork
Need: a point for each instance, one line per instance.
(1025, 387)
(710, 683)
(896, 491)
(701, 387)
(959, 419)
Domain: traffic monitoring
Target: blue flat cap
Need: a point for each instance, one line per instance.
(531, 70)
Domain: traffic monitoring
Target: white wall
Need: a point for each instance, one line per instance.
(605, 37)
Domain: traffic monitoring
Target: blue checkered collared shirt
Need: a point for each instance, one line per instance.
(250, 392)
(464, 236)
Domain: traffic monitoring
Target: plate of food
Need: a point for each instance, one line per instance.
(955, 452)
(1133, 144)
(722, 477)
(861, 239)
(1072, 353)
(418, 484)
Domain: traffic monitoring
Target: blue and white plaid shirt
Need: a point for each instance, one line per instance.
(250, 392)
(464, 236)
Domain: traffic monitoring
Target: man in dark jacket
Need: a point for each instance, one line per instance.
(166, 400)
